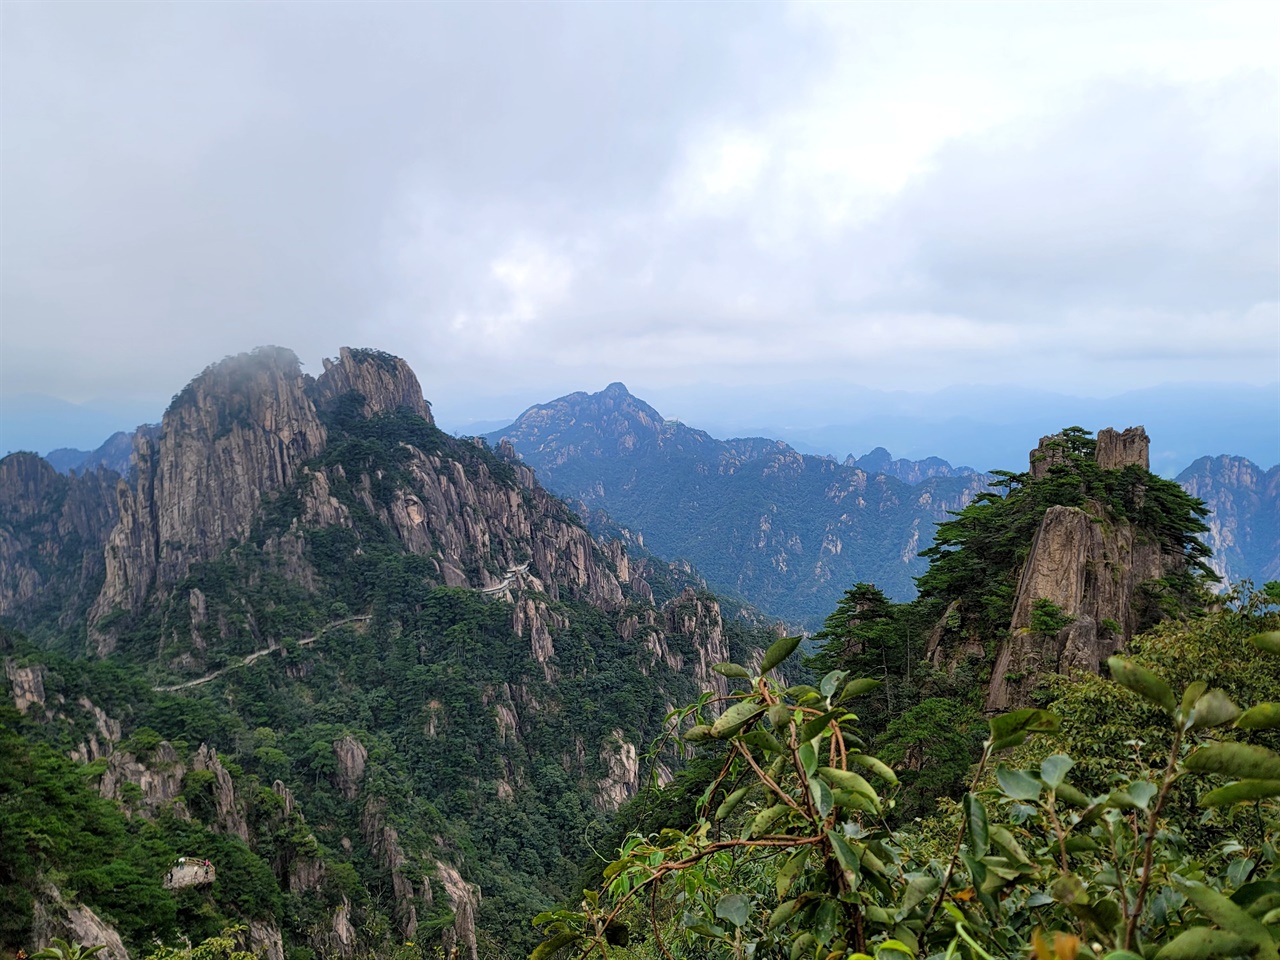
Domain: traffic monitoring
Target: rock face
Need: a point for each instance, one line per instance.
(236, 433)
(385, 382)
(51, 533)
(229, 813)
(26, 685)
(1084, 574)
(384, 840)
(1116, 450)
(1244, 523)
(159, 779)
(464, 901)
(351, 756)
(75, 923)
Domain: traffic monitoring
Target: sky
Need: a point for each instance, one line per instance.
(703, 201)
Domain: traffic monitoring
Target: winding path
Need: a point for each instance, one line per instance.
(512, 574)
(508, 579)
(270, 648)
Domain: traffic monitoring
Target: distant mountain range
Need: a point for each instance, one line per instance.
(791, 532)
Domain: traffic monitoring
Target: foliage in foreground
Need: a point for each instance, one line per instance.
(792, 855)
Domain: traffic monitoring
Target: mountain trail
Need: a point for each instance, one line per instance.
(271, 647)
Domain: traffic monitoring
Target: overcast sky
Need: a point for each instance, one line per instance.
(528, 199)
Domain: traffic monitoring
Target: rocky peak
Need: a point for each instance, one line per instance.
(1116, 450)
(237, 432)
(385, 382)
(1113, 450)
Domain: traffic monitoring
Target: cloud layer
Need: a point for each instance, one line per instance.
(529, 199)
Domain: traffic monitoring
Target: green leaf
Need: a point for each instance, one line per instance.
(817, 725)
(1229, 916)
(1203, 943)
(735, 908)
(855, 801)
(975, 825)
(808, 758)
(784, 912)
(733, 719)
(848, 780)
(1241, 791)
(831, 681)
(767, 818)
(1270, 642)
(1142, 791)
(1242, 761)
(918, 890)
(732, 801)
(1122, 955)
(788, 871)
(1193, 693)
(844, 853)
(1073, 796)
(780, 716)
(876, 766)
(1012, 729)
(696, 734)
(1068, 889)
(1212, 710)
(1004, 839)
(549, 948)
(1261, 716)
(1017, 784)
(1053, 769)
(777, 652)
(856, 688)
(821, 794)
(1142, 682)
(762, 740)
(731, 670)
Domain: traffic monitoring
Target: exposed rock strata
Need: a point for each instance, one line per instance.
(51, 532)
(238, 432)
(75, 923)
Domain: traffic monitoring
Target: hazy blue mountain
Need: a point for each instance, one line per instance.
(35, 422)
(113, 454)
(788, 531)
(1244, 527)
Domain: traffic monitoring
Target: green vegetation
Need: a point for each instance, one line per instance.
(1162, 850)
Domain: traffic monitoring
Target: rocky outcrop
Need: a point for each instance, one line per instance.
(1115, 450)
(464, 901)
(697, 618)
(385, 383)
(229, 815)
(26, 685)
(51, 532)
(265, 941)
(159, 779)
(235, 434)
(1090, 569)
(384, 840)
(622, 775)
(1244, 518)
(75, 923)
(350, 755)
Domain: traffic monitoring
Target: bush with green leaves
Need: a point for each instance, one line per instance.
(792, 856)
